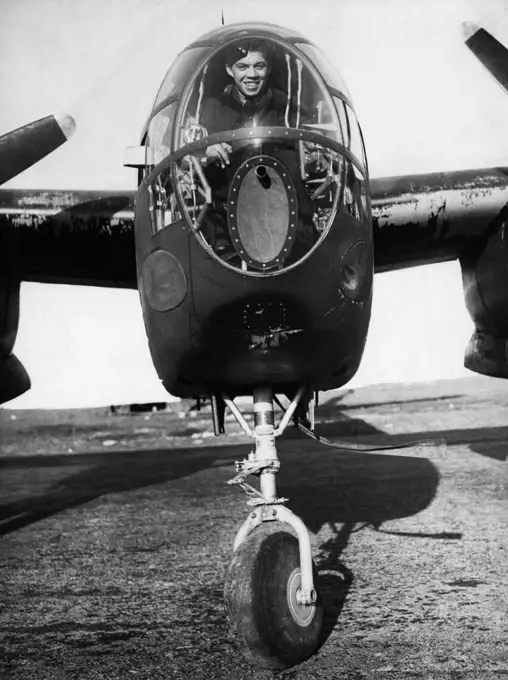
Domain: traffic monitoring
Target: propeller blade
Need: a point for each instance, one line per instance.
(23, 147)
(492, 54)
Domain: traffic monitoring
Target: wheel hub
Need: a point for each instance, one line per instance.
(302, 614)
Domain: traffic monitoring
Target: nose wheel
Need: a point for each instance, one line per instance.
(272, 602)
(273, 629)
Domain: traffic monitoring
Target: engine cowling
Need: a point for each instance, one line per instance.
(14, 379)
(485, 280)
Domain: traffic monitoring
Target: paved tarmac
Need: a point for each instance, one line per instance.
(116, 531)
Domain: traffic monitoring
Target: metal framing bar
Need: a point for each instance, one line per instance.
(239, 416)
(252, 521)
(290, 411)
(306, 594)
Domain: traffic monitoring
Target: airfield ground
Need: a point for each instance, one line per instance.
(116, 531)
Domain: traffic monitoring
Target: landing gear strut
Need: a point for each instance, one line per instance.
(271, 593)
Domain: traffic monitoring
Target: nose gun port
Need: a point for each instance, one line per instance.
(263, 177)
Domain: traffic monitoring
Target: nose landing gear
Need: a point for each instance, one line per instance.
(272, 602)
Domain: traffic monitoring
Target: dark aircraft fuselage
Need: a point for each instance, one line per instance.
(259, 272)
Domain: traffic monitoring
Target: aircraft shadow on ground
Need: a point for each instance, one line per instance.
(105, 473)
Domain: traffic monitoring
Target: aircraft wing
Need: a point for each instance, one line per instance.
(59, 236)
(443, 216)
(75, 237)
(422, 219)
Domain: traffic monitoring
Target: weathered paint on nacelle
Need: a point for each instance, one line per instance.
(14, 379)
(485, 281)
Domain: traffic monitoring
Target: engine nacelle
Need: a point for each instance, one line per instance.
(485, 280)
(14, 379)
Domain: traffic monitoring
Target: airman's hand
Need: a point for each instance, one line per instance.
(220, 153)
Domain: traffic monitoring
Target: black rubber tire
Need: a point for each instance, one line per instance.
(257, 600)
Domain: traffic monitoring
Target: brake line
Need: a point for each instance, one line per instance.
(367, 448)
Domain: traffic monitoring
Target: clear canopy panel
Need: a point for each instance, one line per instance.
(261, 156)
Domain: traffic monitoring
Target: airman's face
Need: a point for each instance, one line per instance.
(249, 74)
